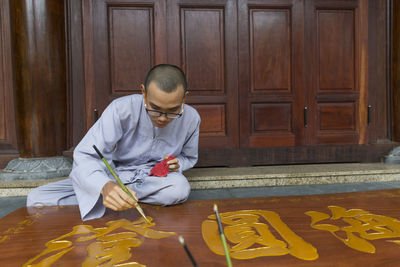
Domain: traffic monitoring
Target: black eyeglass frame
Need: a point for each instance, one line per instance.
(157, 113)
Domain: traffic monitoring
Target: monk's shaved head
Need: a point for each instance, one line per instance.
(167, 77)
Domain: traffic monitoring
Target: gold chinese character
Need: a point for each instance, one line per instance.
(362, 226)
(109, 248)
(251, 238)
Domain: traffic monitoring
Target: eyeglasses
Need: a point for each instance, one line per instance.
(169, 115)
(156, 113)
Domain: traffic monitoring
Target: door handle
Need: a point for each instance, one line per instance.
(305, 117)
(96, 114)
(369, 114)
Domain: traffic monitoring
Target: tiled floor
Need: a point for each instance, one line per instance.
(9, 204)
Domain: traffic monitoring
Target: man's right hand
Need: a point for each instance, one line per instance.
(116, 199)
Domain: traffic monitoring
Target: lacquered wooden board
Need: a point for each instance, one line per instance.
(25, 232)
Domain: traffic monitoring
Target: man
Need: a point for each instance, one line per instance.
(133, 133)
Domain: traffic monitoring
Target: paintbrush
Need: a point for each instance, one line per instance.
(221, 232)
(120, 183)
(182, 241)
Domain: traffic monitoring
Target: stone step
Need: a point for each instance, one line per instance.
(208, 178)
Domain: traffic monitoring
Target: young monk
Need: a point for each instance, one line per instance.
(133, 133)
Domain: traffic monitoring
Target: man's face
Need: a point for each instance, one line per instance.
(158, 100)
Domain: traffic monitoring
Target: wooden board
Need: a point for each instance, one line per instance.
(25, 232)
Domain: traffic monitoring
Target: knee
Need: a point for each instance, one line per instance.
(38, 197)
(33, 198)
(176, 193)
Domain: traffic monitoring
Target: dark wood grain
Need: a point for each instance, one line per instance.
(252, 68)
(125, 39)
(235, 157)
(76, 88)
(271, 85)
(338, 71)
(202, 39)
(379, 129)
(39, 63)
(186, 220)
(8, 138)
(396, 70)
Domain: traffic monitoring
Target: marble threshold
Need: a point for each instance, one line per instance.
(260, 176)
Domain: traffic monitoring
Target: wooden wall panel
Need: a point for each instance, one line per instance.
(3, 111)
(130, 31)
(40, 80)
(379, 127)
(8, 139)
(202, 39)
(77, 116)
(396, 70)
(270, 77)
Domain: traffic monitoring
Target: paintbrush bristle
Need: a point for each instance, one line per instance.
(181, 240)
(215, 208)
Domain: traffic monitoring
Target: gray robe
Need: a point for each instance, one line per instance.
(132, 145)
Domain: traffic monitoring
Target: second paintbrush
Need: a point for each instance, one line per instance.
(222, 235)
(120, 183)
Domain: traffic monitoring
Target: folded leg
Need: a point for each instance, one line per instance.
(169, 190)
(53, 194)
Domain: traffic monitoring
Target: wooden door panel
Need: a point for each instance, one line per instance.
(274, 120)
(213, 119)
(202, 40)
(130, 31)
(203, 49)
(272, 117)
(252, 65)
(336, 41)
(270, 50)
(270, 73)
(337, 116)
(334, 56)
(128, 39)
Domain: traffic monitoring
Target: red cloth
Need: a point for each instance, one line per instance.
(161, 168)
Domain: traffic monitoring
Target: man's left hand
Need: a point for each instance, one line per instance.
(173, 165)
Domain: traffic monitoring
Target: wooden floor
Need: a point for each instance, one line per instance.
(350, 229)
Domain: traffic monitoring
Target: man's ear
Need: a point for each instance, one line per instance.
(143, 89)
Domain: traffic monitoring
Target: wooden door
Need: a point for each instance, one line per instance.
(129, 37)
(202, 39)
(336, 71)
(302, 91)
(271, 49)
(253, 67)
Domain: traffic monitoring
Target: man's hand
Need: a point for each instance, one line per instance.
(173, 165)
(116, 199)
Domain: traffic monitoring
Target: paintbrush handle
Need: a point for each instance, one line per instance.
(120, 182)
(113, 173)
(228, 258)
(117, 179)
(190, 255)
(221, 232)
